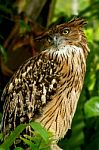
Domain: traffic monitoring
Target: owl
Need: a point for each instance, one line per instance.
(46, 88)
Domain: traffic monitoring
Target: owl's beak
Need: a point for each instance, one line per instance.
(56, 39)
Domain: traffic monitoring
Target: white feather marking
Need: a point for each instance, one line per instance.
(50, 71)
(43, 97)
(23, 74)
(29, 68)
(16, 81)
(52, 83)
(66, 50)
(10, 87)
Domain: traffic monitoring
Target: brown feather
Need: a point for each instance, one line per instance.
(46, 88)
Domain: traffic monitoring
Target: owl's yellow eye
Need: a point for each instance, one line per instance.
(65, 31)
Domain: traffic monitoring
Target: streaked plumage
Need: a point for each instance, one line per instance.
(46, 88)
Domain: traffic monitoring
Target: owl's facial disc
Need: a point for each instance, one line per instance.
(60, 40)
(57, 39)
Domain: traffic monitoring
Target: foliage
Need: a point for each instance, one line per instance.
(3, 53)
(84, 133)
(85, 127)
(92, 107)
(40, 140)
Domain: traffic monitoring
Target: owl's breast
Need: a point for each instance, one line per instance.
(58, 113)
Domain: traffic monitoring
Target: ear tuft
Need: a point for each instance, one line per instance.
(77, 22)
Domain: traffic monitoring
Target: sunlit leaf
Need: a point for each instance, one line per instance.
(1, 148)
(91, 107)
(18, 148)
(43, 133)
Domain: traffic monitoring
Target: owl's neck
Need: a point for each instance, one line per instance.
(69, 51)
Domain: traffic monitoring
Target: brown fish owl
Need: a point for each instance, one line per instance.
(46, 88)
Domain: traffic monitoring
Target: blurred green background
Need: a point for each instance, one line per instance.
(23, 20)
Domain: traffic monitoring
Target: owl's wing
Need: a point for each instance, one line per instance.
(29, 90)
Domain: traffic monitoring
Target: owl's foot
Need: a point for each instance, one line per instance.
(55, 147)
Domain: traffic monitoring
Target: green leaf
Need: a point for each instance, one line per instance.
(91, 107)
(14, 134)
(1, 148)
(28, 142)
(43, 133)
(94, 144)
(3, 53)
(44, 146)
(36, 138)
(1, 136)
(18, 148)
(29, 137)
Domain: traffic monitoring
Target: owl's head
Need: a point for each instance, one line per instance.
(70, 33)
